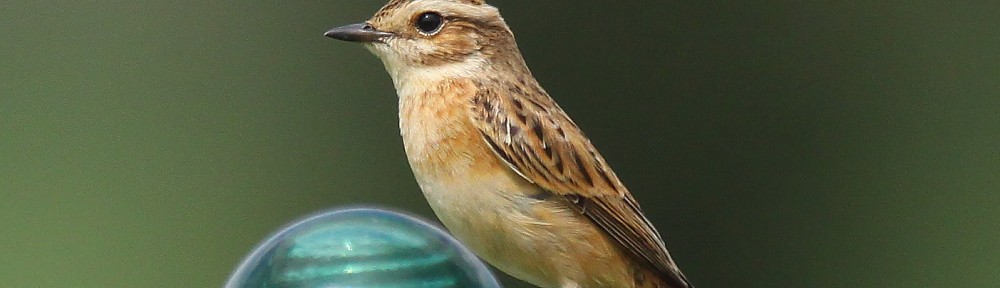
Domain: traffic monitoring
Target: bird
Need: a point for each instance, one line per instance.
(500, 163)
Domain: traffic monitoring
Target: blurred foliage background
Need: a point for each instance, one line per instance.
(774, 143)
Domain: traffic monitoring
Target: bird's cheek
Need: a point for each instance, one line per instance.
(387, 52)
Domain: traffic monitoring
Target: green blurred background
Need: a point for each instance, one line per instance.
(774, 143)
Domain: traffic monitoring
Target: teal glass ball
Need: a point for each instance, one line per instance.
(360, 248)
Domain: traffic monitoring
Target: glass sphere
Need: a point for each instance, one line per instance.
(360, 248)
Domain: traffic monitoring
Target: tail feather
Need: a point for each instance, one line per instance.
(648, 278)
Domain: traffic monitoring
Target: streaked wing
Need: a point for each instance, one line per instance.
(529, 131)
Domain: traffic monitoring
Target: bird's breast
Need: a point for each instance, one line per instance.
(474, 194)
(445, 150)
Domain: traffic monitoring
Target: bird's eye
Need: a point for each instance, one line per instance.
(429, 22)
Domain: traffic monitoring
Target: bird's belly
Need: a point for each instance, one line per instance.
(521, 230)
(493, 219)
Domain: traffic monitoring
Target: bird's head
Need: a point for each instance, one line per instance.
(444, 36)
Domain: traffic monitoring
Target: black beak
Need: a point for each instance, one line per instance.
(360, 32)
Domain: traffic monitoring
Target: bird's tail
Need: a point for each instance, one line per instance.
(650, 278)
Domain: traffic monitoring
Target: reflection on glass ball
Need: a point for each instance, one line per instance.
(361, 248)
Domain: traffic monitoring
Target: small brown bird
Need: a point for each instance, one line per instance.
(503, 167)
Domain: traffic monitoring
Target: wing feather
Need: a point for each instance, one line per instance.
(529, 132)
